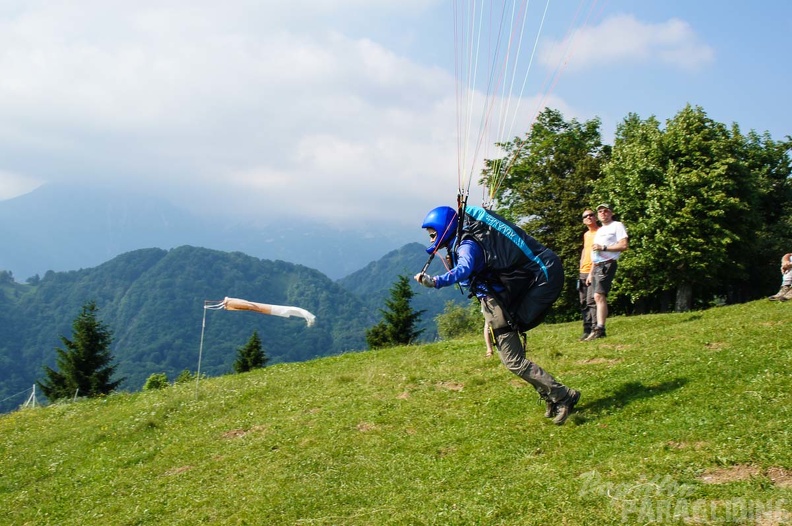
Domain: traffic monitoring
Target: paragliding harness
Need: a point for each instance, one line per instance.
(509, 252)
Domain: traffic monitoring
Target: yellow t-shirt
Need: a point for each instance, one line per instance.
(585, 256)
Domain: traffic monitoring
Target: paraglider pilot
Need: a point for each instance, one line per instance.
(516, 280)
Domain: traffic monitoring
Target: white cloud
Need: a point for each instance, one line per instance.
(623, 38)
(268, 107)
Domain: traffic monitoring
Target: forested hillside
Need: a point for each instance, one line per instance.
(153, 299)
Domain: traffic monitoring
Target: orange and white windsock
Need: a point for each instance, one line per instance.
(264, 308)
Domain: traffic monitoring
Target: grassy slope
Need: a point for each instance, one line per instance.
(433, 434)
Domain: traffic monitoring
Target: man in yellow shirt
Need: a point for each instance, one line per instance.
(588, 307)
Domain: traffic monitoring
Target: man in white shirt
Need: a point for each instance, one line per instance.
(610, 241)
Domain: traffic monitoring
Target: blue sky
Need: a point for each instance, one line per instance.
(343, 111)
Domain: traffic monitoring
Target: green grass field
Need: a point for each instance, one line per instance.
(684, 419)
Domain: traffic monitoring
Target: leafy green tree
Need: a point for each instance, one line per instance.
(251, 356)
(768, 224)
(687, 195)
(399, 320)
(550, 175)
(634, 185)
(84, 366)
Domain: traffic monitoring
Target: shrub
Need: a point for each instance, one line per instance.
(186, 376)
(456, 320)
(156, 381)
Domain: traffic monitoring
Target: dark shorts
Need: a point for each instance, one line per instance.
(602, 276)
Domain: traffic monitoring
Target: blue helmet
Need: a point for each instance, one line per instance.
(443, 220)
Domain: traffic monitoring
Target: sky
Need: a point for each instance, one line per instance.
(348, 112)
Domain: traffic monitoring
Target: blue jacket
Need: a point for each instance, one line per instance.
(468, 259)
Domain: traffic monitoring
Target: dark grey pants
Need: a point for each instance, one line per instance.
(588, 307)
(532, 310)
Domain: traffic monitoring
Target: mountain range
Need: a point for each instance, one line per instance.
(64, 228)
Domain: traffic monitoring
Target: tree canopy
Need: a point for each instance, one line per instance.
(691, 197)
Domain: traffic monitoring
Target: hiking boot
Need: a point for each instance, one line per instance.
(563, 409)
(787, 295)
(550, 406)
(550, 409)
(780, 294)
(596, 332)
(584, 337)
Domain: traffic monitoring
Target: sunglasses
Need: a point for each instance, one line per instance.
(587, 216)
(432, 235)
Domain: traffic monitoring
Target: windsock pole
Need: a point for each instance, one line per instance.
(200, 348)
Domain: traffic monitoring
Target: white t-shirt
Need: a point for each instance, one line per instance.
(608, 235)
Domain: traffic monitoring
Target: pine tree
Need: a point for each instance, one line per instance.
(398, 321)
(251, 356)
(84, 366)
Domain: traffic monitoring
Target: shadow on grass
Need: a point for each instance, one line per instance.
(625, 394)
